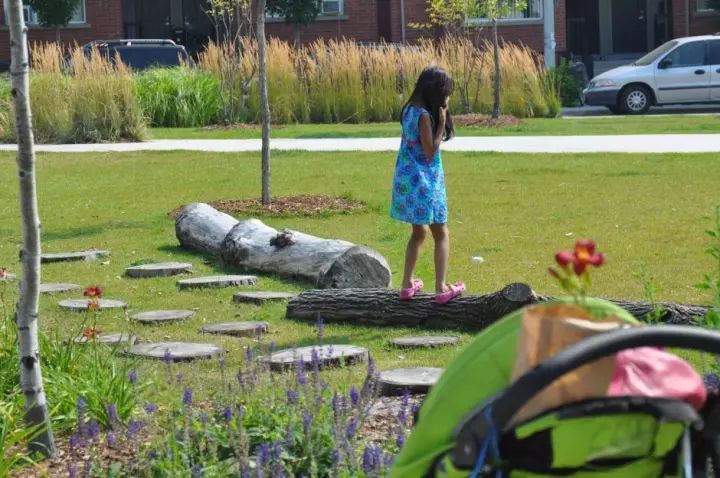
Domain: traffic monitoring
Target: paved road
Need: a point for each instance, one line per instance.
(666, 143)
(601, 112)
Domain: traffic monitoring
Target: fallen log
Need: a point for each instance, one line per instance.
(253, 246)
(382, 307)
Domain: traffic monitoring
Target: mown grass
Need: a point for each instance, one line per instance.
(514, 210)
(619, 125)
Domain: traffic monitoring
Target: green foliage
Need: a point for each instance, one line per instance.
(13, 437)
(495, 9)
(566, 84)
(711, 280)
(296, 12)
(650, 291)
(179, 97)
(54, 13)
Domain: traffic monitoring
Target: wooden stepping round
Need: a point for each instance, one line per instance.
(329, 355)
(216, 281)
(262, 297)
(73, 256)
(237, 329)
(81, 305)
(108, 339)
(58, 288)
(162, 269)
(162, 316)
(414, 380)
(176, 351)
(424, 341)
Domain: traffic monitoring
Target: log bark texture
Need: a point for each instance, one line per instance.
(26, 312)
(253, 246)
(383, 307)
(326, 263)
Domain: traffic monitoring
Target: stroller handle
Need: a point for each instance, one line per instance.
(526, 387)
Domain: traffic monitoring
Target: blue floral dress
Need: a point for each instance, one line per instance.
(419, 195)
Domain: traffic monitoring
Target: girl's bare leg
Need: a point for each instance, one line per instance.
(419, 233)
(442, 251)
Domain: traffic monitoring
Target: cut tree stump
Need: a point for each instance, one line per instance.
(162, 316)
(253, 246)
(421, 342)
(58, 288)
(262, 297)
(328, 356)
(216, 281)
(108, 339)
(175, 351)
(81, 305)
(90, 255)
(414, 380)
(162, 269)
(383, 307)
(237, 329)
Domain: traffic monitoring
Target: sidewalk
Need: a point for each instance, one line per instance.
(670, 143)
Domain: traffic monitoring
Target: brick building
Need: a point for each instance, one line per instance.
(607, 30)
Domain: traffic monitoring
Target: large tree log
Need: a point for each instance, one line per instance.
(254, 246)
(327, 263)
(383, 307)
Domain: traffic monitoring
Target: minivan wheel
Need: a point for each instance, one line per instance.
(635, 100)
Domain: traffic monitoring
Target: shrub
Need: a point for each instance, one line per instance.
(179, 97)
(567, 86)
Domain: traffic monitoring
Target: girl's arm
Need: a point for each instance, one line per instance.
(431, 143)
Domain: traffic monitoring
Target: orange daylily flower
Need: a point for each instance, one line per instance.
(91, 333)
(93, 292)
(583, 256)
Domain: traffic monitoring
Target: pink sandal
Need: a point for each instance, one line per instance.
(407, 294)
(454, 291)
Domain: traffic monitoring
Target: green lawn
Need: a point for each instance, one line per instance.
(514, 210)
(540, 126)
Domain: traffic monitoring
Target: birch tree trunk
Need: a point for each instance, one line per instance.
(26, 313)
(264, 104)
(496, 55)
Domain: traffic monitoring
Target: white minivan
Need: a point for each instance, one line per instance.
(681, 71)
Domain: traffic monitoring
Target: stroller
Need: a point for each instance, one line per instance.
(488, 416)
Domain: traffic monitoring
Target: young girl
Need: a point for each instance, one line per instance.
(419, 196)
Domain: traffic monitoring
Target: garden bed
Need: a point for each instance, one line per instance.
(301, 205)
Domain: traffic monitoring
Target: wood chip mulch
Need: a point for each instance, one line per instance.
(485, 121)
(303, 205)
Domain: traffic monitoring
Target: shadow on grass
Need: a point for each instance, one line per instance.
(82, 232)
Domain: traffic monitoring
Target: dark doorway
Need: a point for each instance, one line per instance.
(662, 23)
(384, 21)
(583, 27)
(629, 24)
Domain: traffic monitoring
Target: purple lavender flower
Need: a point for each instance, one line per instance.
(167, 357)
(415, 409)
(112, 413)
(315, 359)
(248, 354)
(110, 437)
(289, 437)
(388, 461)
(73, 471)
(240, 379)
(300, 376)
(293, 397)
(405, 399)
(402, 416)
(93, 430)
(150, 408)
(400, 440)
(187, 397)
(320, 327)
(227, 414)
(371, 367)
(335, 457)
(368, 463)
(245, 473)
(204, 418)
(336, 405)
(81, 406)
(263, 454)
(354, 396)
(712, 382)
(196, 471)
(75, 441)
(307, 421)
(133, 428)
(241, 412)
(351, 428)
(132, 377)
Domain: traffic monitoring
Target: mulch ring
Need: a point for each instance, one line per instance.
(303, 205)
(485, 121)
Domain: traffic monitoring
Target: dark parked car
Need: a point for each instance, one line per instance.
(141, 54)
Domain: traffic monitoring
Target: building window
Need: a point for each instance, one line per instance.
(31, 17)
(533, 11)
(332, 8)
(702, 6)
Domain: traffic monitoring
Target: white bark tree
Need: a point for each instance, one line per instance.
(26, 313)
(264, 103)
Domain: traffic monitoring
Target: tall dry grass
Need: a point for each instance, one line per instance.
(84, 99)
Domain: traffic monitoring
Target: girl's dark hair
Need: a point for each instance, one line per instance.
(431, 89)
